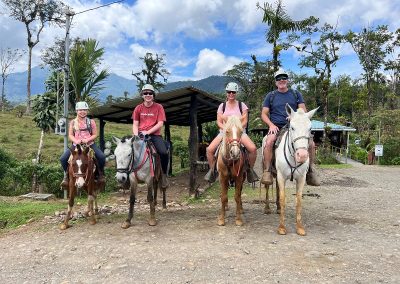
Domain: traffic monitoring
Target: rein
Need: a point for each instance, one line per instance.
(286, 146)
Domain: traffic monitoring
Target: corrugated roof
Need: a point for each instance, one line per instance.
(176, 104)
(317, 125)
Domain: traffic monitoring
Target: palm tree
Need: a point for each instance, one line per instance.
(279, 21)
(85, 58)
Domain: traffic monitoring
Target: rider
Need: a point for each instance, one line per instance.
(232, 107)
(83, 130)
(275, 116)
(148, 119)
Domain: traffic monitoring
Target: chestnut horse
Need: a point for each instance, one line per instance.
(81, 172)
(230, 164)
(292, 162)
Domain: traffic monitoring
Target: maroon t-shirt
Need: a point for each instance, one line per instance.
(149, 116)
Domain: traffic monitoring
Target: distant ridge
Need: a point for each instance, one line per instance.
(114, 85)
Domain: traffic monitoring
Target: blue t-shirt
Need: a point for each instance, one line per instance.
(277, 111)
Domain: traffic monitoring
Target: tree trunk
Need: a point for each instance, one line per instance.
(28, 84)
(3, 95)
(37, 161)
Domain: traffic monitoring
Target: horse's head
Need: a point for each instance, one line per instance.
(300, 131)
(82, 165)
(233, 130)
(123, 157)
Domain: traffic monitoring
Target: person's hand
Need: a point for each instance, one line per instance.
(273, 129)
(84, 141)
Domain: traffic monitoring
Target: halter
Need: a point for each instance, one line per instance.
(291, 147)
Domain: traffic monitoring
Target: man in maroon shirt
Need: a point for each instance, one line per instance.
(148, 119)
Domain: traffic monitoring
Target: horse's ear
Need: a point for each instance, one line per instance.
(116, 140)
(311, 112)
(289, 109)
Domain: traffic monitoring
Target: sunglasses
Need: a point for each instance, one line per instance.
(281, 79)
(230, 92)
(147, 93)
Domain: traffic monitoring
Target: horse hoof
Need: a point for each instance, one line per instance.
(152, 222)
(239, 223)
(281, 231)
(92, 222)
(267, 211)
(301, 231)
(63, 226)
(278, 211)
(125, 225)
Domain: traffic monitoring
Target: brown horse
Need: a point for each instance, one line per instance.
(81, 171)
(230, 167)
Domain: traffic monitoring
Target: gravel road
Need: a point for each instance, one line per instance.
(353, 236)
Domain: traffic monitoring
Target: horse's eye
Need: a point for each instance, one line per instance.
(292, 128)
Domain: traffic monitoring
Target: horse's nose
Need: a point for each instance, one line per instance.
(121, 177)
(301, 155)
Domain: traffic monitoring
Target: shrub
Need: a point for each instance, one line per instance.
(181, 150)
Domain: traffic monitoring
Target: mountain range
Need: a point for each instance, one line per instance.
(114, 85)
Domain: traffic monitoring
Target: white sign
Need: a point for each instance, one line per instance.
(379, 150)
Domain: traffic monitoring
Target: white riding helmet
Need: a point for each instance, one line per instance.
(81, 105)
(281, 72)
(148, 87)
(232, 86)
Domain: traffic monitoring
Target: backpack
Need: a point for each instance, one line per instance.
(295, 93)
(224, 106)
(88, 125)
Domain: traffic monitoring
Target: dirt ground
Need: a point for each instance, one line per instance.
(352, 222)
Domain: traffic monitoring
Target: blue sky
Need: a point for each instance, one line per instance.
(200, 38)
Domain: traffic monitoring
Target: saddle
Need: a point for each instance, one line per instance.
(279, 137)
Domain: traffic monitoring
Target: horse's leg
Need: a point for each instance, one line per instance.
(238, 199)
(132, 200)
(152, 187)
(278, 205)
(282, 202)
(164, 198)
(71, 188)
(299, 193)
(224, 180)
(267, 209)
(92, 217)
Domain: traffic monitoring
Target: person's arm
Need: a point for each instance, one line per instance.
(265, 117)
(135, 127)
(221, 119)
(303, 106)
(155, 128)
(244, 118)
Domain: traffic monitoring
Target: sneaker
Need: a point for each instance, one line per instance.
(210, 176)
(267, 178)
(164, 181)
(252, 176)
(312, 179)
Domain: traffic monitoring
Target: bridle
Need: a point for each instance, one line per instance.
(229, 160)
(292, 150)
(89, 170)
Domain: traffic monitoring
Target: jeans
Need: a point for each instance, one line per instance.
(100, 157)
(162, 150)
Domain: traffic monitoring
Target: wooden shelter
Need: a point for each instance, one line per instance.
(183, 107)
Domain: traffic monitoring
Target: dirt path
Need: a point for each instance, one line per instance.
(353, 236)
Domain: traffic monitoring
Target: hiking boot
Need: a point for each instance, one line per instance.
(65, 181)
(251, 175)
(164, 181)
(267, 178)
(101, 179)
(312, 179)
(211, 175)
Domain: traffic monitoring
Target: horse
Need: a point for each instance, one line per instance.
(292, 162)
(230, 163)
(81, 172)
(136, 162)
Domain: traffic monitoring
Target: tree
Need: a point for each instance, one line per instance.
(393, 66)
(35, 15)
(279, 22)
(154, 67)
(85, 59)
(8, 57)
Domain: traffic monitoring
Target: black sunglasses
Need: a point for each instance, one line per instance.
(230, 92)
(148, 94)
(281, 79)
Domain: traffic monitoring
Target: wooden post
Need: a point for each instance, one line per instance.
(193, 145)
(167, 137)
(102, 141)
(200, 133)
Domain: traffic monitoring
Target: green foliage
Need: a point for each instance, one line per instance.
(44, 108)
(181, 149)
(256, 138)
(325, 157)
(391, 151)
(210, 131)
(6, 161)
(358, 153)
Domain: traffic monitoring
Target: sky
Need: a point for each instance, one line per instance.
(199, 38)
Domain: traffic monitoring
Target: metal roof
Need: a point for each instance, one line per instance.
(317, 125)
(176, 104)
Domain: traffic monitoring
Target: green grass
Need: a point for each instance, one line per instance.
(17, 213)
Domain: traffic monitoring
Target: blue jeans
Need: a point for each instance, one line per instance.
(100, 157)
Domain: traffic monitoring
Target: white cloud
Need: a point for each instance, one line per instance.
(212, 62)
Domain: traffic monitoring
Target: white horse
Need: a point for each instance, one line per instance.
(292, 162)
(135, 163)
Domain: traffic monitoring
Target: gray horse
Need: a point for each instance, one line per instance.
(137, 162)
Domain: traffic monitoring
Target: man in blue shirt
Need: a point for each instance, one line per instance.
(275, 116)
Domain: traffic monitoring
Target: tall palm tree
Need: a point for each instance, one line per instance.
(279, 21)
(85, 58)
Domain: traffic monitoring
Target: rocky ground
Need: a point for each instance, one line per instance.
(352, 222)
